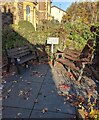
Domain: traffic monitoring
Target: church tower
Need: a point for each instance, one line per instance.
(44, 10)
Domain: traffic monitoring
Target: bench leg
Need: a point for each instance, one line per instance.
(54, 63)
(68, 69)
(8, 65)
(36, 54)
(81, 72)
(26, 65)
(37, 59)
(17, 66)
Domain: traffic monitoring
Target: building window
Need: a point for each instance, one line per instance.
(28, 12)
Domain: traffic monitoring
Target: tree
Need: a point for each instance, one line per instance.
(87, 12)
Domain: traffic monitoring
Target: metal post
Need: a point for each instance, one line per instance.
(81, 72)
(52, 48)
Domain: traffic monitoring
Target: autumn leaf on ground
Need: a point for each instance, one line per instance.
(44, 110)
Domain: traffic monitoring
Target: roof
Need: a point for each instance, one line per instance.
(59, 8)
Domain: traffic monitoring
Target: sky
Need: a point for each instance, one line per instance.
(64, 4)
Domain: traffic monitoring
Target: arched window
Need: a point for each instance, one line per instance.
(28, 10)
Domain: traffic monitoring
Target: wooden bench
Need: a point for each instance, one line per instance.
(19, 56)
(67, 52)
(75, 61)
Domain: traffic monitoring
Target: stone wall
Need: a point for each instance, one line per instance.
(7, 13)
(43, 10)
(14, 12)
(20, 11)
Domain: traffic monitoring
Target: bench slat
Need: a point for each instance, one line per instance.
(18, 52)
(70, 64)
(72, 58)
(19, 56)
(22, 54)
(77, 60)
(26, 58)
(16, 49)
(69, 51)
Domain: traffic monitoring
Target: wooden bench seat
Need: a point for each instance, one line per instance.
(76, 61)
(26, 58)
(19, 56)
(71, 57)
(68, 63)
(72, 52)
(67, 53)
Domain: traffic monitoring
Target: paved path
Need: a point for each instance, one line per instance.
(33, 94)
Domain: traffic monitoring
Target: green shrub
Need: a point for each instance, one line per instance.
(26, 25)
(72, 35)
(10, 38)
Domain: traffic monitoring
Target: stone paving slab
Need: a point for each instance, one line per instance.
(9, 112)
(41, 69)
(15, 100)
(8, 82)
(25, 75)
(42, 90)
(39, 114)
(50, 99)
(49, 78)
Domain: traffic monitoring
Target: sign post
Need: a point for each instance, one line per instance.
(52, 41)
(52, 48)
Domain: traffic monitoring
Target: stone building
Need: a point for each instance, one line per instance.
(44, 10)
(34, 12)
(57, 13)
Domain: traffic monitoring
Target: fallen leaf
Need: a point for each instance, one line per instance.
(15, 81)
(19, 114)
(25, 93)
(13, 73)
(1, 86)
(9, 91)
(44, 110)
(6, 97)
(28, 82)
(26, 98)
(52, 91)
(3, 81)
(64, 102)
(57, 109)
(36, 101)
